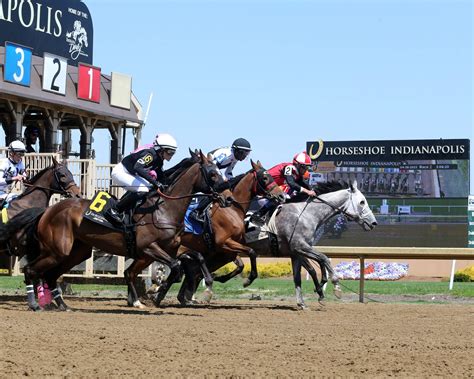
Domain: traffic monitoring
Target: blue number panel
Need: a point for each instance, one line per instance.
(17, 64)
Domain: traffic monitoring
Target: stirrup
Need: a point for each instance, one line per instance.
(115, 217)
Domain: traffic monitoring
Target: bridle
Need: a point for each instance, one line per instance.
(63, 189)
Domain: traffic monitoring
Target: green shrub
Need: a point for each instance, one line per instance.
(468, 271)
(461, 277)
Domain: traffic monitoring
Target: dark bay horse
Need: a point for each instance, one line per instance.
(56, 179)
(65, 238)
(228, 228)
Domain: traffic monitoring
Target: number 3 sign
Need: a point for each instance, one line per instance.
(88, 83)
(54, 74)
(17, 64)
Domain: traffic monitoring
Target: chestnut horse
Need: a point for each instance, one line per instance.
(65, 238)
(228, 227)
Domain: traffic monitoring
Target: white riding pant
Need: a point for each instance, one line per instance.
(129, 182)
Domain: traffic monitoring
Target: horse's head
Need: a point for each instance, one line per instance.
(210, 177)
(358, 209)
(265, 185)
(64, 180)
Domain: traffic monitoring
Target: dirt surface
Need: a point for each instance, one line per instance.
(104, 338)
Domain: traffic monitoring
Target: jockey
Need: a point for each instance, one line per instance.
(290, 177)
(224, 158)
(227, 157)
(133, 174)
(12, 169)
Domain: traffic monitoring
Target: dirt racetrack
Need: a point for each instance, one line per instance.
(104, 338)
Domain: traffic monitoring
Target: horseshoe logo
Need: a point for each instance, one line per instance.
(319, 152)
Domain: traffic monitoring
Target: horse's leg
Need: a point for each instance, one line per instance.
(238, 269)
(192, 274)
(79, 253)
(131, 274)
(32, 273)
(236, 248)
(173, 277)
(312, 272)
(308, 252)
(205, 272)
(296, 266)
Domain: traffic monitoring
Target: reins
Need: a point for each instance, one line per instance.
(310, 200)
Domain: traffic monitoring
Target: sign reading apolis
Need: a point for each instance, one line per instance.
(61, 27)
(17, 64)
(88, 83)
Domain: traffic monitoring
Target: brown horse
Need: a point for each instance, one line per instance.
(39, 189)
(228, 228)
(65, 238)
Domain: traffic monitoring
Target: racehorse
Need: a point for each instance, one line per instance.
(298, 227)
(65, 238)
(228, 229)
(39, 189)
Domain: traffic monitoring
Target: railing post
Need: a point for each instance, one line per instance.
(361, 279)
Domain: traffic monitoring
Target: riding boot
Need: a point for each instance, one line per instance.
(259, 217)
(128, 201)
(198, 213)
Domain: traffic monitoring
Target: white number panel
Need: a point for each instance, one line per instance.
(54, 74)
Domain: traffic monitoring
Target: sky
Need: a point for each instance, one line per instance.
(283, 72)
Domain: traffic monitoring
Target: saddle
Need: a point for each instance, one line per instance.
(95, 213)
(201, 224)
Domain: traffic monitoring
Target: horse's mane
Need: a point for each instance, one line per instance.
(331, 186)
(38, 175)
(33, 180)
(320, 189)
(172, 174)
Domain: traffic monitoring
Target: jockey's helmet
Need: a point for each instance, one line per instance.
(17, 147)
(241, 148)
(165, 141)
(302, 159)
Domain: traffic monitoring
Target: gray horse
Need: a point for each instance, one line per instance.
(298, 226)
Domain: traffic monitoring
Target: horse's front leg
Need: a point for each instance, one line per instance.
(32, 273)
(318, 288)
(208, 293)
(79, 253)
(296, 267)
(236, 248)
(131, 274)
(308, 252)
(239, 267)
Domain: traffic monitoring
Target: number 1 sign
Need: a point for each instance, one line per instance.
(88, 83)
(54, 74)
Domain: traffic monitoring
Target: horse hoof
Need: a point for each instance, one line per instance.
(207, 296)
(35, 308)
(302, 306)
(337, 291)
(137, 304)
(247, 282)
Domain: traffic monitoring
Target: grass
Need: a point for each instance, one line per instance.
(275, 287)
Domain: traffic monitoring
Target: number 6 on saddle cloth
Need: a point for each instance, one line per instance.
(100, 204)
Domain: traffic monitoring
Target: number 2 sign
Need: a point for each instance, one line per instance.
(17, 64)
(88, 83)
(54, 74)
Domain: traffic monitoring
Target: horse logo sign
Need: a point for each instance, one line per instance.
(77, 40)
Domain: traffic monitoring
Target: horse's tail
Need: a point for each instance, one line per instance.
(24, 220)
